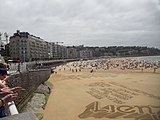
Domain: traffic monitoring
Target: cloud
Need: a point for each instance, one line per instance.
(84, 21)
(158, 4)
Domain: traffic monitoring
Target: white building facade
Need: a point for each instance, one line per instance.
(26, 47)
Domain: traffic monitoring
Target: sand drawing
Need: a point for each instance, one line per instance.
(119, 94)
(121, 111)
(141, 92)
(115, 92)
(102, 90)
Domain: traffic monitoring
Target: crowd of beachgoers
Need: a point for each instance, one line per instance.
(115, 64)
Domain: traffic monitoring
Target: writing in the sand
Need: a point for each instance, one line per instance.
(136, 90)
(102, 90)
(115, 92)
(123, 111)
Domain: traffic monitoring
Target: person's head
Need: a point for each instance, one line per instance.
(4, 66)
(3, 73)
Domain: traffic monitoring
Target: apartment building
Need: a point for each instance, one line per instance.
(86, 54)
(26, 47)
(72, 53)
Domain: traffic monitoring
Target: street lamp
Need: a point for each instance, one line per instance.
(49, 55)
(24, 55)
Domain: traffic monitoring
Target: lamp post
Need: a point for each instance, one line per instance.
(24, 55)
(49, 55)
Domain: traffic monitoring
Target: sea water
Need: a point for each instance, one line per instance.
(147, 58)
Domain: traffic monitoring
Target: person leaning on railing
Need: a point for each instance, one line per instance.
(6, 94)
(6, 97)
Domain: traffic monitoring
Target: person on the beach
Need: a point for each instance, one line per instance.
(154, 69)
(91, 71)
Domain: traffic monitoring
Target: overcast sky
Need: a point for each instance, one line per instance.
(87, 22)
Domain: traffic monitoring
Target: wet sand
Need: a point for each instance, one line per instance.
(103, 95)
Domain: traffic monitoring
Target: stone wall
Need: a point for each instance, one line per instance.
(29, 80)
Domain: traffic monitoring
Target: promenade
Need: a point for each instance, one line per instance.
(102, 90)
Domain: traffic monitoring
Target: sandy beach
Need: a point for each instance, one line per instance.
(103, 93)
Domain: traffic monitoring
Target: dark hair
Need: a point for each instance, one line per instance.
(3, 65)
(3, 71)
